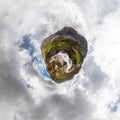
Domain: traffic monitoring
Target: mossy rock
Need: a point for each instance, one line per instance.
(64, 52)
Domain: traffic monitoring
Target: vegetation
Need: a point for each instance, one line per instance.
(69, 46)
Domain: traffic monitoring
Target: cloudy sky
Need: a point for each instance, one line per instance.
(25, 92)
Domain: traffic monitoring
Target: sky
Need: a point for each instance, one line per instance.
(26, 90)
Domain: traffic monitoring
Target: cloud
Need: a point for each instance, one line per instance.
(44, 100)
(96, 77)
(63, 107)
(12, 87)
(10, 80)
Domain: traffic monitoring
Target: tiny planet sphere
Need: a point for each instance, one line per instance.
(63, 53)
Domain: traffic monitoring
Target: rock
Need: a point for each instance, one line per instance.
(64, 52)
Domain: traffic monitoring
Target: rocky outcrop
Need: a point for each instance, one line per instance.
(64, 52)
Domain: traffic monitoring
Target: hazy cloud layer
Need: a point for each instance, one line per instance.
(63, 107)
(96, 77)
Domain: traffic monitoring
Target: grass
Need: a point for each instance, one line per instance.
(73, 49)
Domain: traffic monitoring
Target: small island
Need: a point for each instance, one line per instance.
(64, 53)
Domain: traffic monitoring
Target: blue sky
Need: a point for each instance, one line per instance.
(26, 44)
